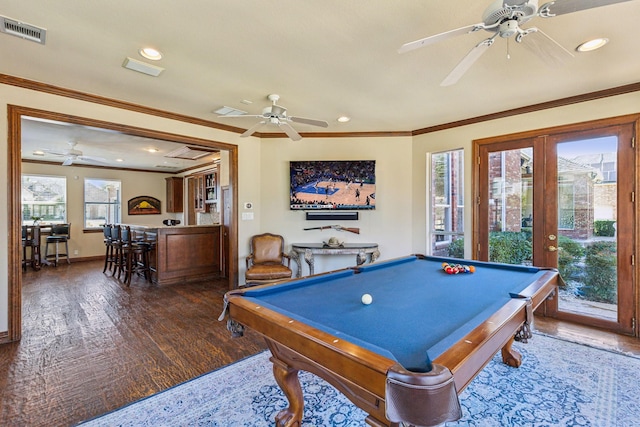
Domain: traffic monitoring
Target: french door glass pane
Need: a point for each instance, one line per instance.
(587, 194)
(511, 206)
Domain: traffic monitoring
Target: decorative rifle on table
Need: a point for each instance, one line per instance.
(336, 227)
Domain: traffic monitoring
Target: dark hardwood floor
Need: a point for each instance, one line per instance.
(91, 345)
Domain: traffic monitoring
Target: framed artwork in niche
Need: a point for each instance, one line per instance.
(144, 205)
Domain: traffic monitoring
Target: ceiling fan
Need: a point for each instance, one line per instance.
(71, 155)
(277, 115)
(503, 18)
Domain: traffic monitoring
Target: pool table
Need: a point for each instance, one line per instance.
(407, 355)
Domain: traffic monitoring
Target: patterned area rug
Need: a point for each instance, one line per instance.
(559, 384)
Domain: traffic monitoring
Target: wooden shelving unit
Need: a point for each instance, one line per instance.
(206, 190)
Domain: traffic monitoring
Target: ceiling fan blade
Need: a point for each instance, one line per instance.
(467, 62)
(253, 128)
(562, 7)
(291, 132)
(544, 47)
(54, 152)
(312, 122)
(68, 161)
(442, 36)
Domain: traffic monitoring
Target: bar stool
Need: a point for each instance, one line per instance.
(119, 235)
(31, 239)
(137, 257)
(109, 257)
(60, 233)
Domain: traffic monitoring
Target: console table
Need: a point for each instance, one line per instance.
(309, 250)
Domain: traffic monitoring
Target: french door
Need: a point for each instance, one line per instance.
(565, 199)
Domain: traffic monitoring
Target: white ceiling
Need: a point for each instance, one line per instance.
(324, 58)
(109, 148)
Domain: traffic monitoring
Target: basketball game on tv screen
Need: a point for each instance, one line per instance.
(326, 185)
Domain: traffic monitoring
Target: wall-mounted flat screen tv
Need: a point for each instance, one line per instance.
(339, 184)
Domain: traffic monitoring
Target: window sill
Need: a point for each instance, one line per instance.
(91, 230)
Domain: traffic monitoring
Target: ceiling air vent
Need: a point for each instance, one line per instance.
(22, 30)
(190, 153)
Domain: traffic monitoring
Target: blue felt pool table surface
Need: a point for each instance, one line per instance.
(418, 310)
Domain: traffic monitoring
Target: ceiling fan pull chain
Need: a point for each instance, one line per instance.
(508, 52)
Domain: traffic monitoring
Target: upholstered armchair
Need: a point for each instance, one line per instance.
(267, 262)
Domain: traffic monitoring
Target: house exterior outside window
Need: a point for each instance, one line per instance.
(446, 201)
(44, 199)
(102, 203)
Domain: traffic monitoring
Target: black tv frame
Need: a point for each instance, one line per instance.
(332, 185)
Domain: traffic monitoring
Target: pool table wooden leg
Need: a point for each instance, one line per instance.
(287, 379)
(510, 356)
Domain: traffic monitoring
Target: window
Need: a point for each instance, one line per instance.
(101, 202)
(566, 206)
(44, 198)
(447, 203)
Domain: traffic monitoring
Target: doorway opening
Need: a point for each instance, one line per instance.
(15, 117)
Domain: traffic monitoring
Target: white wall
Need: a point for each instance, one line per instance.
(389, 224)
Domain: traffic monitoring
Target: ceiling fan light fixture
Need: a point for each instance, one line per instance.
(150, 53)
(592, 44)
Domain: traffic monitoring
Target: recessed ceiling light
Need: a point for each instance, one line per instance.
(152, 150)
(592, 44)
(38, 153)
(119, 160)
(344, 119)
(151, 53)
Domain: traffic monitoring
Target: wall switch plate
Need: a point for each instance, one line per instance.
(247, 216)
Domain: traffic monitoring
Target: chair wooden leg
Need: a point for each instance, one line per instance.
(147, 264)
(128, 268)
(106, 258)
(117, 261)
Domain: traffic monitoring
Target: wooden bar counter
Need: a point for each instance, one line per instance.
(182, 253)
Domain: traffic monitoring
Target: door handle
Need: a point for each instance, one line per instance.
(552, 248)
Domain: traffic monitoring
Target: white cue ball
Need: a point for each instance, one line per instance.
(367, 299)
